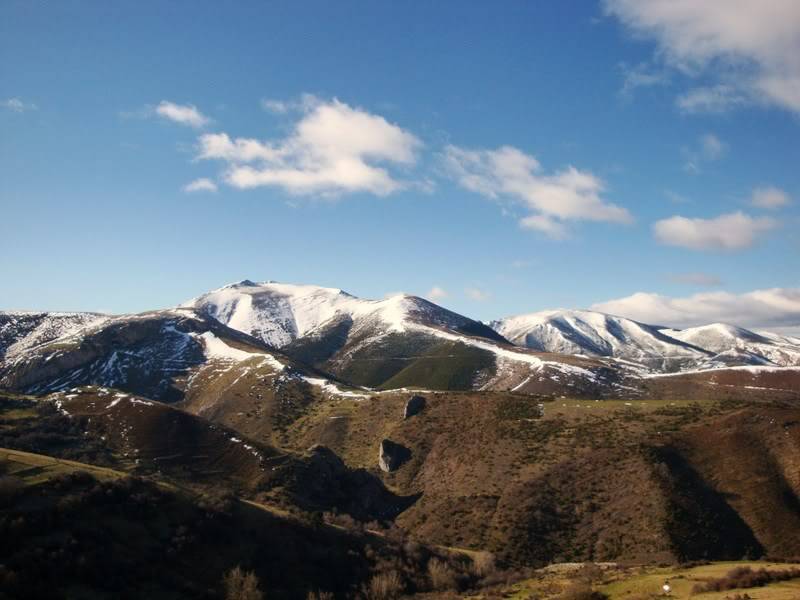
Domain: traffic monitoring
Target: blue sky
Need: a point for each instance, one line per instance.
(499, 158)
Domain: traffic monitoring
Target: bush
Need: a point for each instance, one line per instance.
(385, 586)
(581, 591)
(241, 585)
(441, 575)
(483, 564)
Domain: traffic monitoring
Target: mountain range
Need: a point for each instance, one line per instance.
(324, 339)
(559, 436)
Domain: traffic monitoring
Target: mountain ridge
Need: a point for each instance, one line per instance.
(595, 333)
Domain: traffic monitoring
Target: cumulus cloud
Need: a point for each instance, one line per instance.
(200, 185)
(552, 198)
(749, 49)
(733, 231)
(436, 293)
(184, 114)
(477, 294)
(333, 148)
(699, 279)
(777, 308)
(770, 198)
(17, 105)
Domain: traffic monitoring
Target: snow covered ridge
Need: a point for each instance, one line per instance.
(279, 313)
(21, 331)
(597, 334)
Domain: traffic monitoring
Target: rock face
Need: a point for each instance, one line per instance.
(414, 406)
(391, 456)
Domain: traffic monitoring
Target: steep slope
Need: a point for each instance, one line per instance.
(667, 350)
(398, 342)
(21, 331)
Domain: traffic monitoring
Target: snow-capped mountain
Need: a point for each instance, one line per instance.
(731, 344)
(399, 341)
(168, 355)
(256, 338)
(598, 334)
(281, 313)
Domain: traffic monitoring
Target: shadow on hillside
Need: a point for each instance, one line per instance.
(701, 523)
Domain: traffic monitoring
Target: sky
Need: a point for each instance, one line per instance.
(640, 157)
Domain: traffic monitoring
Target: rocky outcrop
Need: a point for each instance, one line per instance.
(414, 406)
(391, 456)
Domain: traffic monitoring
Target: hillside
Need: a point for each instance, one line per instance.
(538, 481)
(69, 530)
(163, 355)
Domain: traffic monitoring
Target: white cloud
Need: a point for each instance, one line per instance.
(733, 231)
(769, 308)
(184, 114)
(436, 293)
(477, 294)
(749, 49)
(699, 279)
(770, 198)
(279, 107)
(17, 105)
(200, 185)
(709, 148)
(714, 99)
(553, 199)
(333, 148)
(641, 76)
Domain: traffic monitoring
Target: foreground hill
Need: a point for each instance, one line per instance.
(69, 530)
(598, 334)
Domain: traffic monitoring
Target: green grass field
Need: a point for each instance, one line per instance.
(645, 583)
(36, 468)
(648, 583)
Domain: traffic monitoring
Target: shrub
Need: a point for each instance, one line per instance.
(385, 586)
(483, 564)
(441, 575)
(241, 585)
(581, 591)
